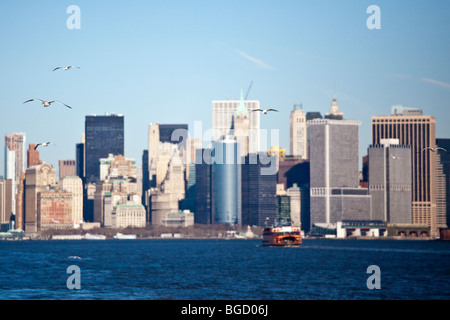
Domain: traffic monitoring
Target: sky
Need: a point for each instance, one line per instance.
(166, 61)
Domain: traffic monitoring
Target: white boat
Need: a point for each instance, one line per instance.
(89, 236)
(124, 236)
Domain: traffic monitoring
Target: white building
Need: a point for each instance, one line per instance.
(222, 117)
(129, 215)
(74, 184)
(298, 141)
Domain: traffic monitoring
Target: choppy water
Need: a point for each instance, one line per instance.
(224, 269)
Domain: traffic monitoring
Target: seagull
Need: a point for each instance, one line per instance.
(265, 110)
(47, 103)
(434, 149)
(66, 68)
(75, 257)
(395, 157)
(44, 144)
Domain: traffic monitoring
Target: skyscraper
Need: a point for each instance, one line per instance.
(203, 211)
(390, 181)
(298, 140)
(74, 184)
(226, 182)
(162, 140)
(38, 178)
(412, 128)
(16, 164)
(223, 112)
(259, 200)
(334, 172)
(103, 135)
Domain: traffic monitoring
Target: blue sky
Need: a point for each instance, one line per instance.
(165, 61)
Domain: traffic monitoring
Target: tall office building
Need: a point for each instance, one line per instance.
(298, 140)
(411, 127)
(259, 199)
(334, 172)
(103, 135)
(74, 184)
(14, 166)
(38, 178)
(203, 199)
(54, 209)
(226, 182)
(390, 181)
(223, 112)
(162, 140)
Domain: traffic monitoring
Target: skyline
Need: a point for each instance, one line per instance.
(153, 61)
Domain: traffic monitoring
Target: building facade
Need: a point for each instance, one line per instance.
(54, 209)
(66, 168)
(298, 139)
(74, 185)
(37, 178)
(15, 164)
(223, 112)
(226, 182)
(390, 181)
(103, 135)
(334, 172)
(259, 199)
(412, 128)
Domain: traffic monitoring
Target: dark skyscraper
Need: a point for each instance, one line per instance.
(79, 160)
(103, 135)
(259, 200)
(203, 213)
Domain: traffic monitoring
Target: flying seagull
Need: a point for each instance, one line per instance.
(48, 103)
(44, 144)
(434, 149)
(66, 68)
(265, 110)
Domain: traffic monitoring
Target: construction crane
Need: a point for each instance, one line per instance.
(248, 90)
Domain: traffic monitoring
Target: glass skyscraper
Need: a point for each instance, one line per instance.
(226, 182)
(103, 135)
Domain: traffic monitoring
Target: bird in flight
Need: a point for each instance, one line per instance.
(265, 110)
(44, 144)
(48, 103)
(66, 68)
(434, 149)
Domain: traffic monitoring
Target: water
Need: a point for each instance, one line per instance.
(181, 269)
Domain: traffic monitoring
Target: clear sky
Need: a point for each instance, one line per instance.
(165, 61)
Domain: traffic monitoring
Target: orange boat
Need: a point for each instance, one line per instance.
(282, 236)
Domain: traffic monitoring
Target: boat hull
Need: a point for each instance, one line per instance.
(284, 236)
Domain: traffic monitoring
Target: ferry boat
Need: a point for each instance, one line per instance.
(282, 236)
